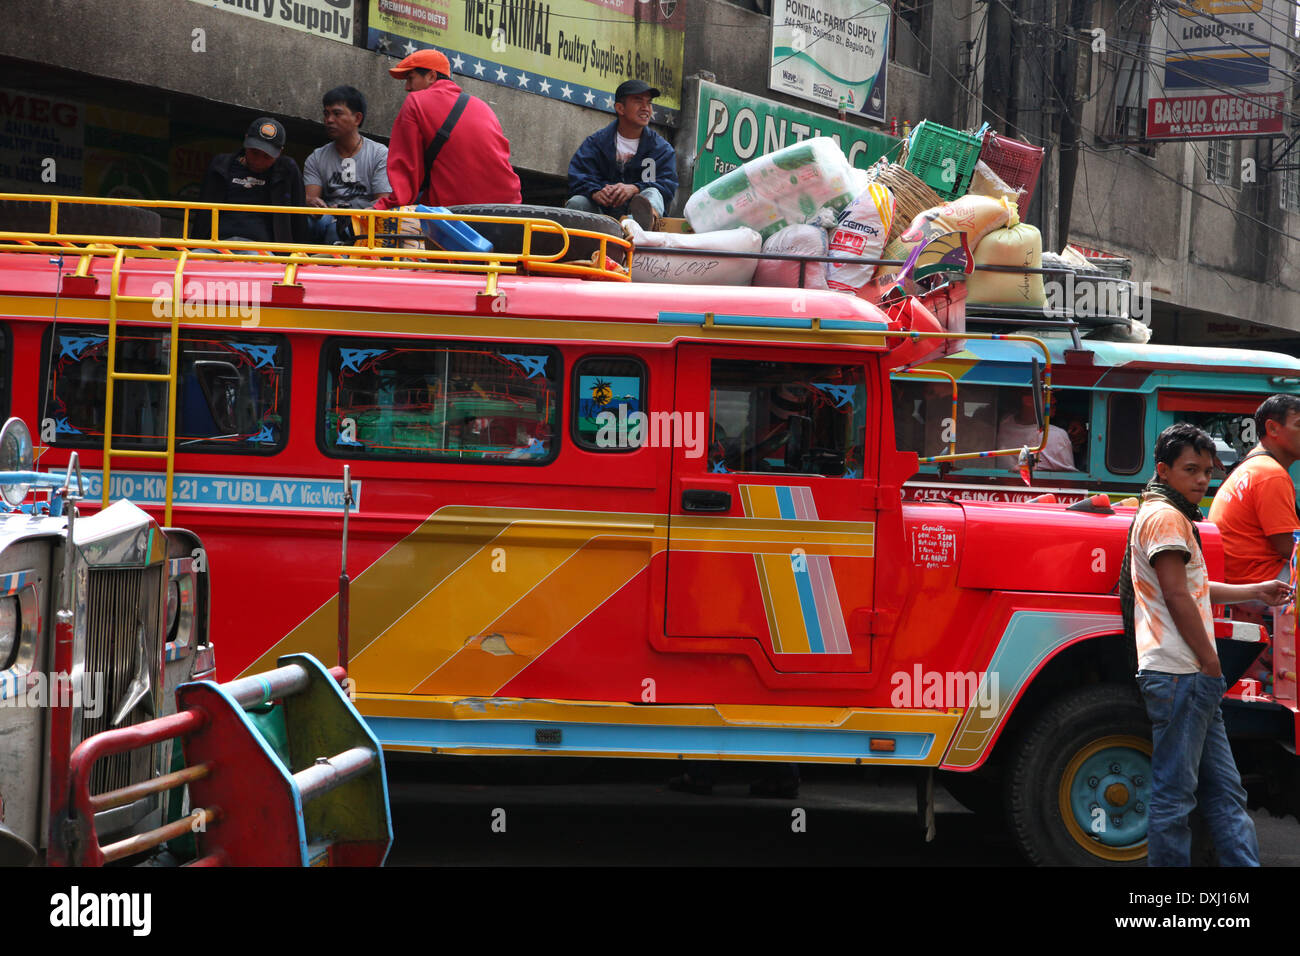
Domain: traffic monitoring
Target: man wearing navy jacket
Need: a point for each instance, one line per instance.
(625, 168)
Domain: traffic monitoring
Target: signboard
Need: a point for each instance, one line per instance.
(42, 143)
(258, 493)
(332, 19)
(577, 51)
(733, 127)
(1217, 73)
(832, 52)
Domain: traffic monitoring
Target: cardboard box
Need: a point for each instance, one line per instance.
(663, 224)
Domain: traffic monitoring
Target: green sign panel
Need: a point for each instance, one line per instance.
(734, 127)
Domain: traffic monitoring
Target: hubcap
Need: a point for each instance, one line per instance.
(1104, 794)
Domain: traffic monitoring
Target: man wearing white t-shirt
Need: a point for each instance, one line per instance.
(625, 168)
(1020, 430)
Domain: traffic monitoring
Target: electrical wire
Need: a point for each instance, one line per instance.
(1105, 154)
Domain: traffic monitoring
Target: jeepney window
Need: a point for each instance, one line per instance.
(607, 394)
(469, 402)
(1125, 433)
(1233, 431)
(924, 421)
(232, 389)
(787, 417)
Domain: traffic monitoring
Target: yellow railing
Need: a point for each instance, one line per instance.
(374, 247)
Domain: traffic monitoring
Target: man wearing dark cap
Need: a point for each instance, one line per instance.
(625, 168)
(258, 175)
(447, 147)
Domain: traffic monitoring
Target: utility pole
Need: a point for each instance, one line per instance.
(1078, 17)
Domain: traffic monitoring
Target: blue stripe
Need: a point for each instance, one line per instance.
(520, 736)
(808, 605)
(785, 502)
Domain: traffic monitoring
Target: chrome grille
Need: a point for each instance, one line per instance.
(118, 600)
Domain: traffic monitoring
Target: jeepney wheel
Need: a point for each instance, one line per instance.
(1079, 787)
(19, 216)
(509, 238)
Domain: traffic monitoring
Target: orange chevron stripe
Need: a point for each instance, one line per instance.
(538, 620)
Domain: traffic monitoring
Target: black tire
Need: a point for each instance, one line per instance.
(78, 220)
(1072, 748)
(508, 238)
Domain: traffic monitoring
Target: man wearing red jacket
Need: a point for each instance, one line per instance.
(472, 164)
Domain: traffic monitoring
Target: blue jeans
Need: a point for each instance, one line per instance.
(585, 204)
(323, 231)
(1191, 764)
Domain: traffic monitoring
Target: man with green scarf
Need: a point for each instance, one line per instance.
(1166, 595)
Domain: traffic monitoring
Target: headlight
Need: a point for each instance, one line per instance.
(173, 605)
(8, 631)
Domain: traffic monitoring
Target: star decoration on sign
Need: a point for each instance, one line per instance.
(458, 63)
(609, 102)
(523, 80)
(544, 86)
(591, 97)
(501, 74)
(478, 68)
(409, 48)
(565, 90)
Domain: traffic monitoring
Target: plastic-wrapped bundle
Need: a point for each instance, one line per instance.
(861, 231)
(802, 240)
(976, 216)
(701, 269)
(783, 188)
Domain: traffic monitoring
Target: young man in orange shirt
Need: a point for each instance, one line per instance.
(1255, 509)
(1168, 604)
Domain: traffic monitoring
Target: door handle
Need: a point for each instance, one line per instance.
(699, 499)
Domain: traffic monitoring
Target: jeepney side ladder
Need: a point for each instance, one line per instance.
(169, 452)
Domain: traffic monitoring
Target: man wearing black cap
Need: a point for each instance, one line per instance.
(258, 175)
(625, 168)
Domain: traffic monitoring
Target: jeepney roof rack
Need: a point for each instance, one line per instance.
(379, 243)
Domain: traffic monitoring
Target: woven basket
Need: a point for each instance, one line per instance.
(911, 196)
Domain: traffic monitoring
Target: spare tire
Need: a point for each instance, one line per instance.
(509, 238)
(78, 220)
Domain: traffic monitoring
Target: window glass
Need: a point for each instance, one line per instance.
(787, 417)
(1125, 428)
(988, 417)
(608, 394)
(1233, 432)
(231, 389)
(441, 401)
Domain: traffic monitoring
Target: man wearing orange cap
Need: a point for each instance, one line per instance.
(447, 147)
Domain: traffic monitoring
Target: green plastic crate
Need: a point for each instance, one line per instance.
(942, 158)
